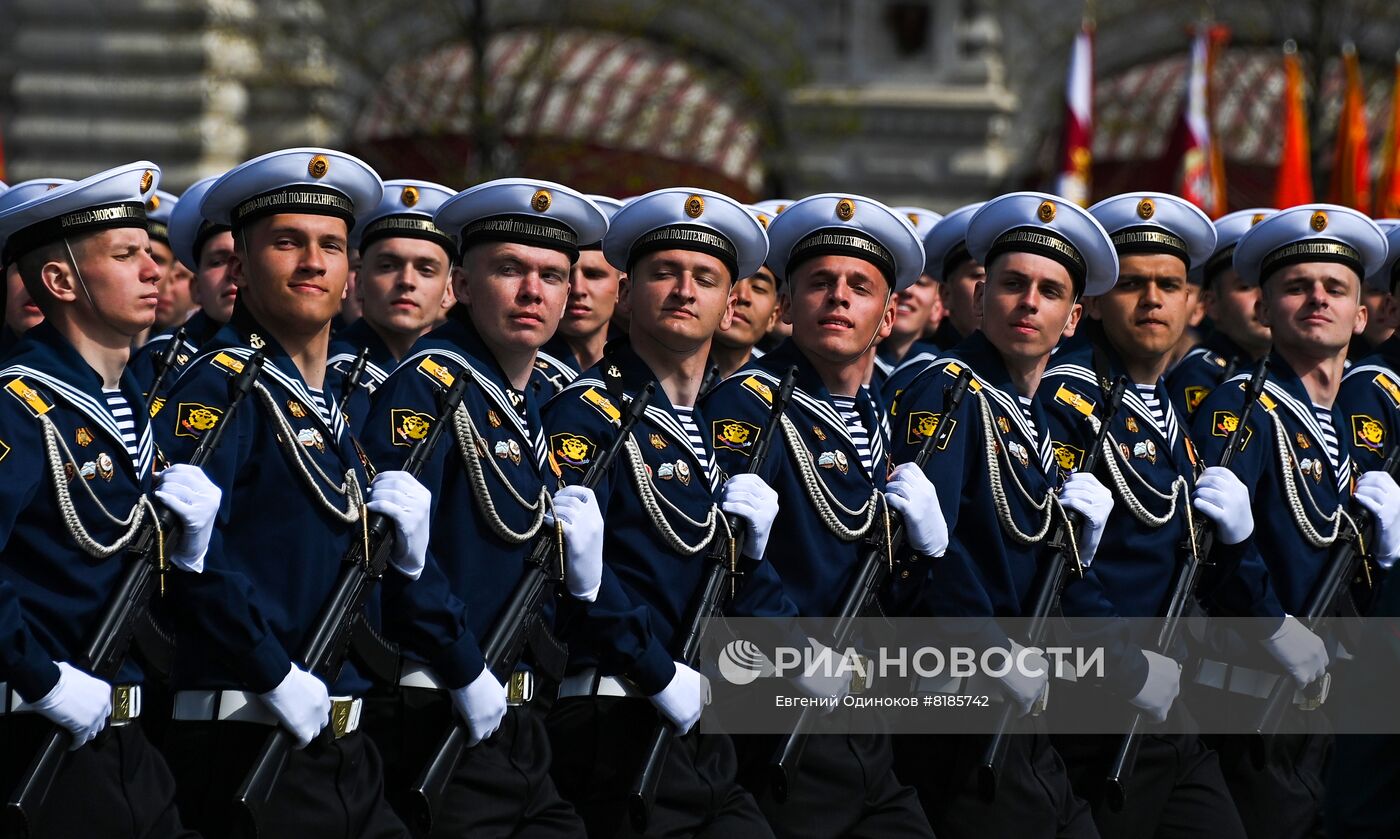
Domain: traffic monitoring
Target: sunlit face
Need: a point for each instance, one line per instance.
(292, 270)
(593, 291)
(21, 312)
(1026, 304)
(213, 287)
(1232, 304)
(1146, 312)
(120, 276)
(1313, 308)
(677, 299)
(404, 285)
(913, 306)
(838, 307)
(755, 310)
(960, 295)
(514, 293)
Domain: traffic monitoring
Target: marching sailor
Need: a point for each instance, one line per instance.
(587, 323)
(913, 306)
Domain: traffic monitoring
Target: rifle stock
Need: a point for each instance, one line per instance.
(643, 793)
(873, 569)
(505, 644)
(1047, 598)
(125, 609)
(324, 653)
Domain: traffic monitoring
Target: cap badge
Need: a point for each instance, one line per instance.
(152, 203)
(1255, 219)
(1319, 221)
(763, 220)
(541, 201)
(695, 206)
(409, 196)
(318, 167)
(1046, 213)
(1146, 208)
(914, 219)
(148, 179)
(845, 209)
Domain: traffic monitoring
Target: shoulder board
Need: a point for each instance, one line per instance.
(1075, 400)
(759, 387)
(32, 399)
(1215, 358)
(955, 369)
(229, 363)
(602, 404)
(435, 371)
(1388, 385)
(1265, 400)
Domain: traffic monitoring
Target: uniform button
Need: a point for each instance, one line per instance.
(904, 575)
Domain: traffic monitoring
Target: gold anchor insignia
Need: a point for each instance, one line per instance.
(256, 341)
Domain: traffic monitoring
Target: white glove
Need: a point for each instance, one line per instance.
(78, 703)
(1300, 652)
(578, 511)
(830, 677)
(1163, 684)
(302, 703)
(1084, 494)
(683, 698)
(408, 503)
(910, 493)
(748, 497)
(194, 499)
(1027, 680)
(482, 704)
(1377, 492)
(1223, 499)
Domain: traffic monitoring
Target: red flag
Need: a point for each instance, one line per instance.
(1388, 188)
(1078, 139)
(1201, 173)
(1351, 165)
(1293, 185)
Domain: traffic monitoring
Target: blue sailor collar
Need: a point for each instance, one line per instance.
(1290, 395)
(1078, 363)
(346, 345)
(45, 358)
(243, 335)
(812, 396)
(984, 360)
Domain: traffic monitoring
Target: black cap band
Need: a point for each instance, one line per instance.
(843, 241)
(536, 231)
(158, 230)
(407, 226)
(687, 237)
(207, 231)
(1311, 250)
(1043, 241)
(87, 220)
(1144, 239)
(957, 255)
(297, 200)
(1217, 264)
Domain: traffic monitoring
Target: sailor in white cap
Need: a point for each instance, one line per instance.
(913, 308)
(176, 302)
(755, 313)
(1309, 262)
(587, 324)
(404, 285)
(302, 492)
(76, 485)
(1133, 329)
(682, 250)
(495, 487)
(947, 260)
(1237, 339)
(1382, 311)
(1000, 492)
(20, 311)
(842, 261)
(772, 208)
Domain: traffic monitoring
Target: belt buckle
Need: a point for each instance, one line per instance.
(126, 704)
(1305, 702)
(521, 688)
(343, 717)
(862, 674)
